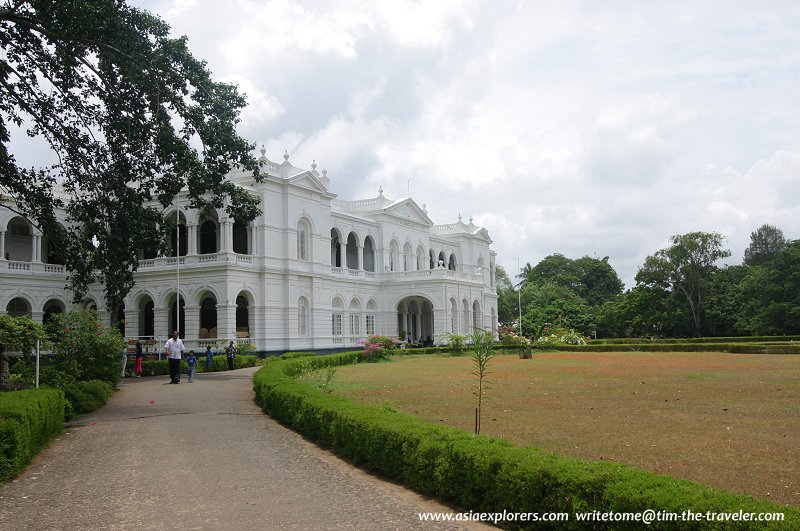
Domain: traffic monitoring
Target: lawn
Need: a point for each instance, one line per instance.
(731, 421)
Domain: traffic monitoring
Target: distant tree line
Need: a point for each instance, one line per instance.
(680, 291)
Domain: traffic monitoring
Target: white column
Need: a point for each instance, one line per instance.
(192, 235)
(360, 252)
(36, 252)
(2, 244)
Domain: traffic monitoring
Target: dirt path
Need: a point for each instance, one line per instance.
(198, 456)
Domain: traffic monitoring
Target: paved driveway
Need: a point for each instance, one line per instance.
(197, 455)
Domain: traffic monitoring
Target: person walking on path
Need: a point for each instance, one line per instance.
(137, 368)
(174, 348)
(191, 363)
(209, 359)
(230, 351)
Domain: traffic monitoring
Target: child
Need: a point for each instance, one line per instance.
(209, 359)
(191, 362)
(137, 369)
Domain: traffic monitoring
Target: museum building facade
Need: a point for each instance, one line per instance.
(312, 272)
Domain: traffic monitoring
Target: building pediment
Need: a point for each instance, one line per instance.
(307, 179)
(408, 210)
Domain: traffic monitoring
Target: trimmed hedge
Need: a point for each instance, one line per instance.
(482, 474)
(735, 339)
(220, 363)
(738, 348)
(29, 420)
(85, 397)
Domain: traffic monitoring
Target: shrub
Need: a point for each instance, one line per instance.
(379, 348)
(29, 420)
(455, 342)
(84, 349)
(85, 397)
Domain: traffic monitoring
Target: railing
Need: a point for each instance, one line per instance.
(32, 268)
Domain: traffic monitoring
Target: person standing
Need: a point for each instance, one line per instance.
(174, 348)
(137, 368)
(209, 359)
(230, 351)
(191, 365)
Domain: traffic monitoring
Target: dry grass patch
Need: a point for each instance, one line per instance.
(731, 421)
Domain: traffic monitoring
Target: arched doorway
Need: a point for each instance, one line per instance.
(208, 317)
(177, 320)
(415, 318)
(51, 308)
(18, 307)
(147, 318)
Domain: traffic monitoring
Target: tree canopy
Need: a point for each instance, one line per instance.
(765, 242)
(685, 267)
(131, 116)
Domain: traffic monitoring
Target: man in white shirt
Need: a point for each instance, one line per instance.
(174, 348)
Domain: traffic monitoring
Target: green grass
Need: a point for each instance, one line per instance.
(725, 420)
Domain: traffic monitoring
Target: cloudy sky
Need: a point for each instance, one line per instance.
(581, 128)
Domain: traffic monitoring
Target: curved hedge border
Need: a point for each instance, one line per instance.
(480, 473)
(29, 420)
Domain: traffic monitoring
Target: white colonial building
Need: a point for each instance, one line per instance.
(313, 272)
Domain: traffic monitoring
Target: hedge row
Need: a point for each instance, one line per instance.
(742, 339)
(29, 420)
(480, 473)
(220, 363)
(739, 348)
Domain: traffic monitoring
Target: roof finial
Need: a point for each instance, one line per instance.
(314, 164)
(459, 217)
(470, 221)
(263, 151)
(286, 156)
(380, 190)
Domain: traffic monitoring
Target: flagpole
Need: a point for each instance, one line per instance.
(177, 266)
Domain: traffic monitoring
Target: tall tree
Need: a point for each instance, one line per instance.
(686, 268)
(131, 116)
(507, 297)
(765, 242)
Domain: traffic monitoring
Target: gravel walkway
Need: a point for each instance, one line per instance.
(198, 455)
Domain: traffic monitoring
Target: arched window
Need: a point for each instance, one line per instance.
(18, 307)
(441, 262)
(336, 249)
(302, 317)
(453, 316)
(407, 257)
(147, 318)
(394, 250)
(242, 316)
(302, 240)
(336, 319)
(432, 264)
(352, 251)
(51, 308)
(420, 258)
(208, 237)
(369, 254)
(208, 317)
(240, 238)
(477, 318)
(355, 318)
(451, 265)
(370, 318)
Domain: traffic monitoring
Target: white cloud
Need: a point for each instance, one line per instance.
(579, 127)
